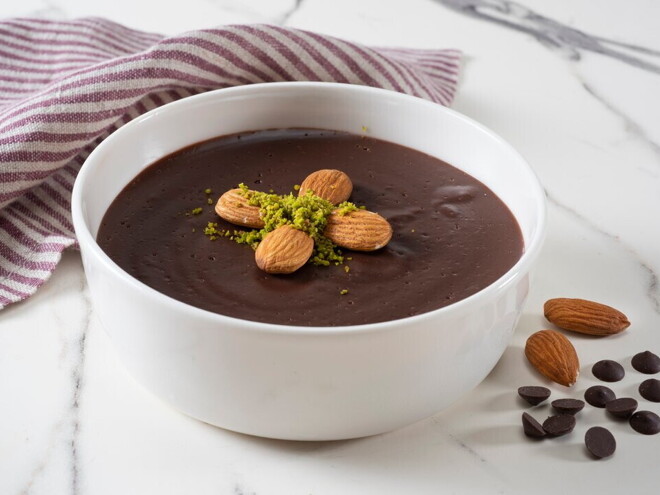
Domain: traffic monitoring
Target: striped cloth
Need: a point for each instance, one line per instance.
(64, 86)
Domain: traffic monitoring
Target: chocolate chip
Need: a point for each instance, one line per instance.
(598, 395)
(600, 442)
(646, 362)
(531, 427)
(645, 422)
(558, 425)
(650, 389)
(568, 406)
(608, 371)
(621, 408)
(534, 395)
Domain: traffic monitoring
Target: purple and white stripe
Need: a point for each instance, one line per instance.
(65, 86)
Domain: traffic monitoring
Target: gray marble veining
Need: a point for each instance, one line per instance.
(78, 388)
(238, 490)
(632, 127)
(467, 448)
(287, 15)
(652, 287)
(568, 40)
(49, 10)
(280, 16)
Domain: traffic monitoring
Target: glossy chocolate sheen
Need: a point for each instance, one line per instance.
(452, 235)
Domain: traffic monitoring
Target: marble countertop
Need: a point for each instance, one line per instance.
(574, 86)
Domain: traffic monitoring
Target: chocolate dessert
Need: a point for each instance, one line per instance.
(451, 235)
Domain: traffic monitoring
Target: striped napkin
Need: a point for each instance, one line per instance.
(65, 86)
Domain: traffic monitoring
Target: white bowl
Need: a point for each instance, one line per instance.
(306, 383)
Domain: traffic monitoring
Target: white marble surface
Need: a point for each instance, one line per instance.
(575, 86)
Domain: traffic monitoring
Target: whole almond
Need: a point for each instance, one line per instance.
(553, 355)
(284, 250)
(332, 185)
(233, 206)
(359, 230)
(582, 316)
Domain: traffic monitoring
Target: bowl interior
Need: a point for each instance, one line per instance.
(386, 115)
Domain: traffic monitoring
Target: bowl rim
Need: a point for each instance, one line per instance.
(87, 241)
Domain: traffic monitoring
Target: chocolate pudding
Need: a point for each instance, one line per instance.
(452, 235)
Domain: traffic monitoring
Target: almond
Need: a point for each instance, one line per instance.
(233, 206)
(284, 250)
(582, 316)
(332, 185)
(553, 355)
(359, 230)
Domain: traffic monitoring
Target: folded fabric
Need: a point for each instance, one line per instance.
(65, 86)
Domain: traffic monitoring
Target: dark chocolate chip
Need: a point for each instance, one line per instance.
(558, 425)
(568, 406)
(645, 422)
(531, 427)
(600, 442)
(621, 408)
(646, 362)
(608, 371)
(534, 395)
(650, 389)
(598, 395)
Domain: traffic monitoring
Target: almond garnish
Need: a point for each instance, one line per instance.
(553, 355)
(233, 206)
(582, 316)
(332, 185)
(359, 230)
(305, 222)
(284, 250)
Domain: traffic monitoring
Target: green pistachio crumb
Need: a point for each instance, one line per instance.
(194, 229)
(347, 268)
(208, 190)
(348, 258)
(365, 128)
(343, 292)
(212, 230)
(209, 201)
(296, 187)
(197, 211)
(346, 207)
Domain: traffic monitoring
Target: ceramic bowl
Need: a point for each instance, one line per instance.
(306, 383)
